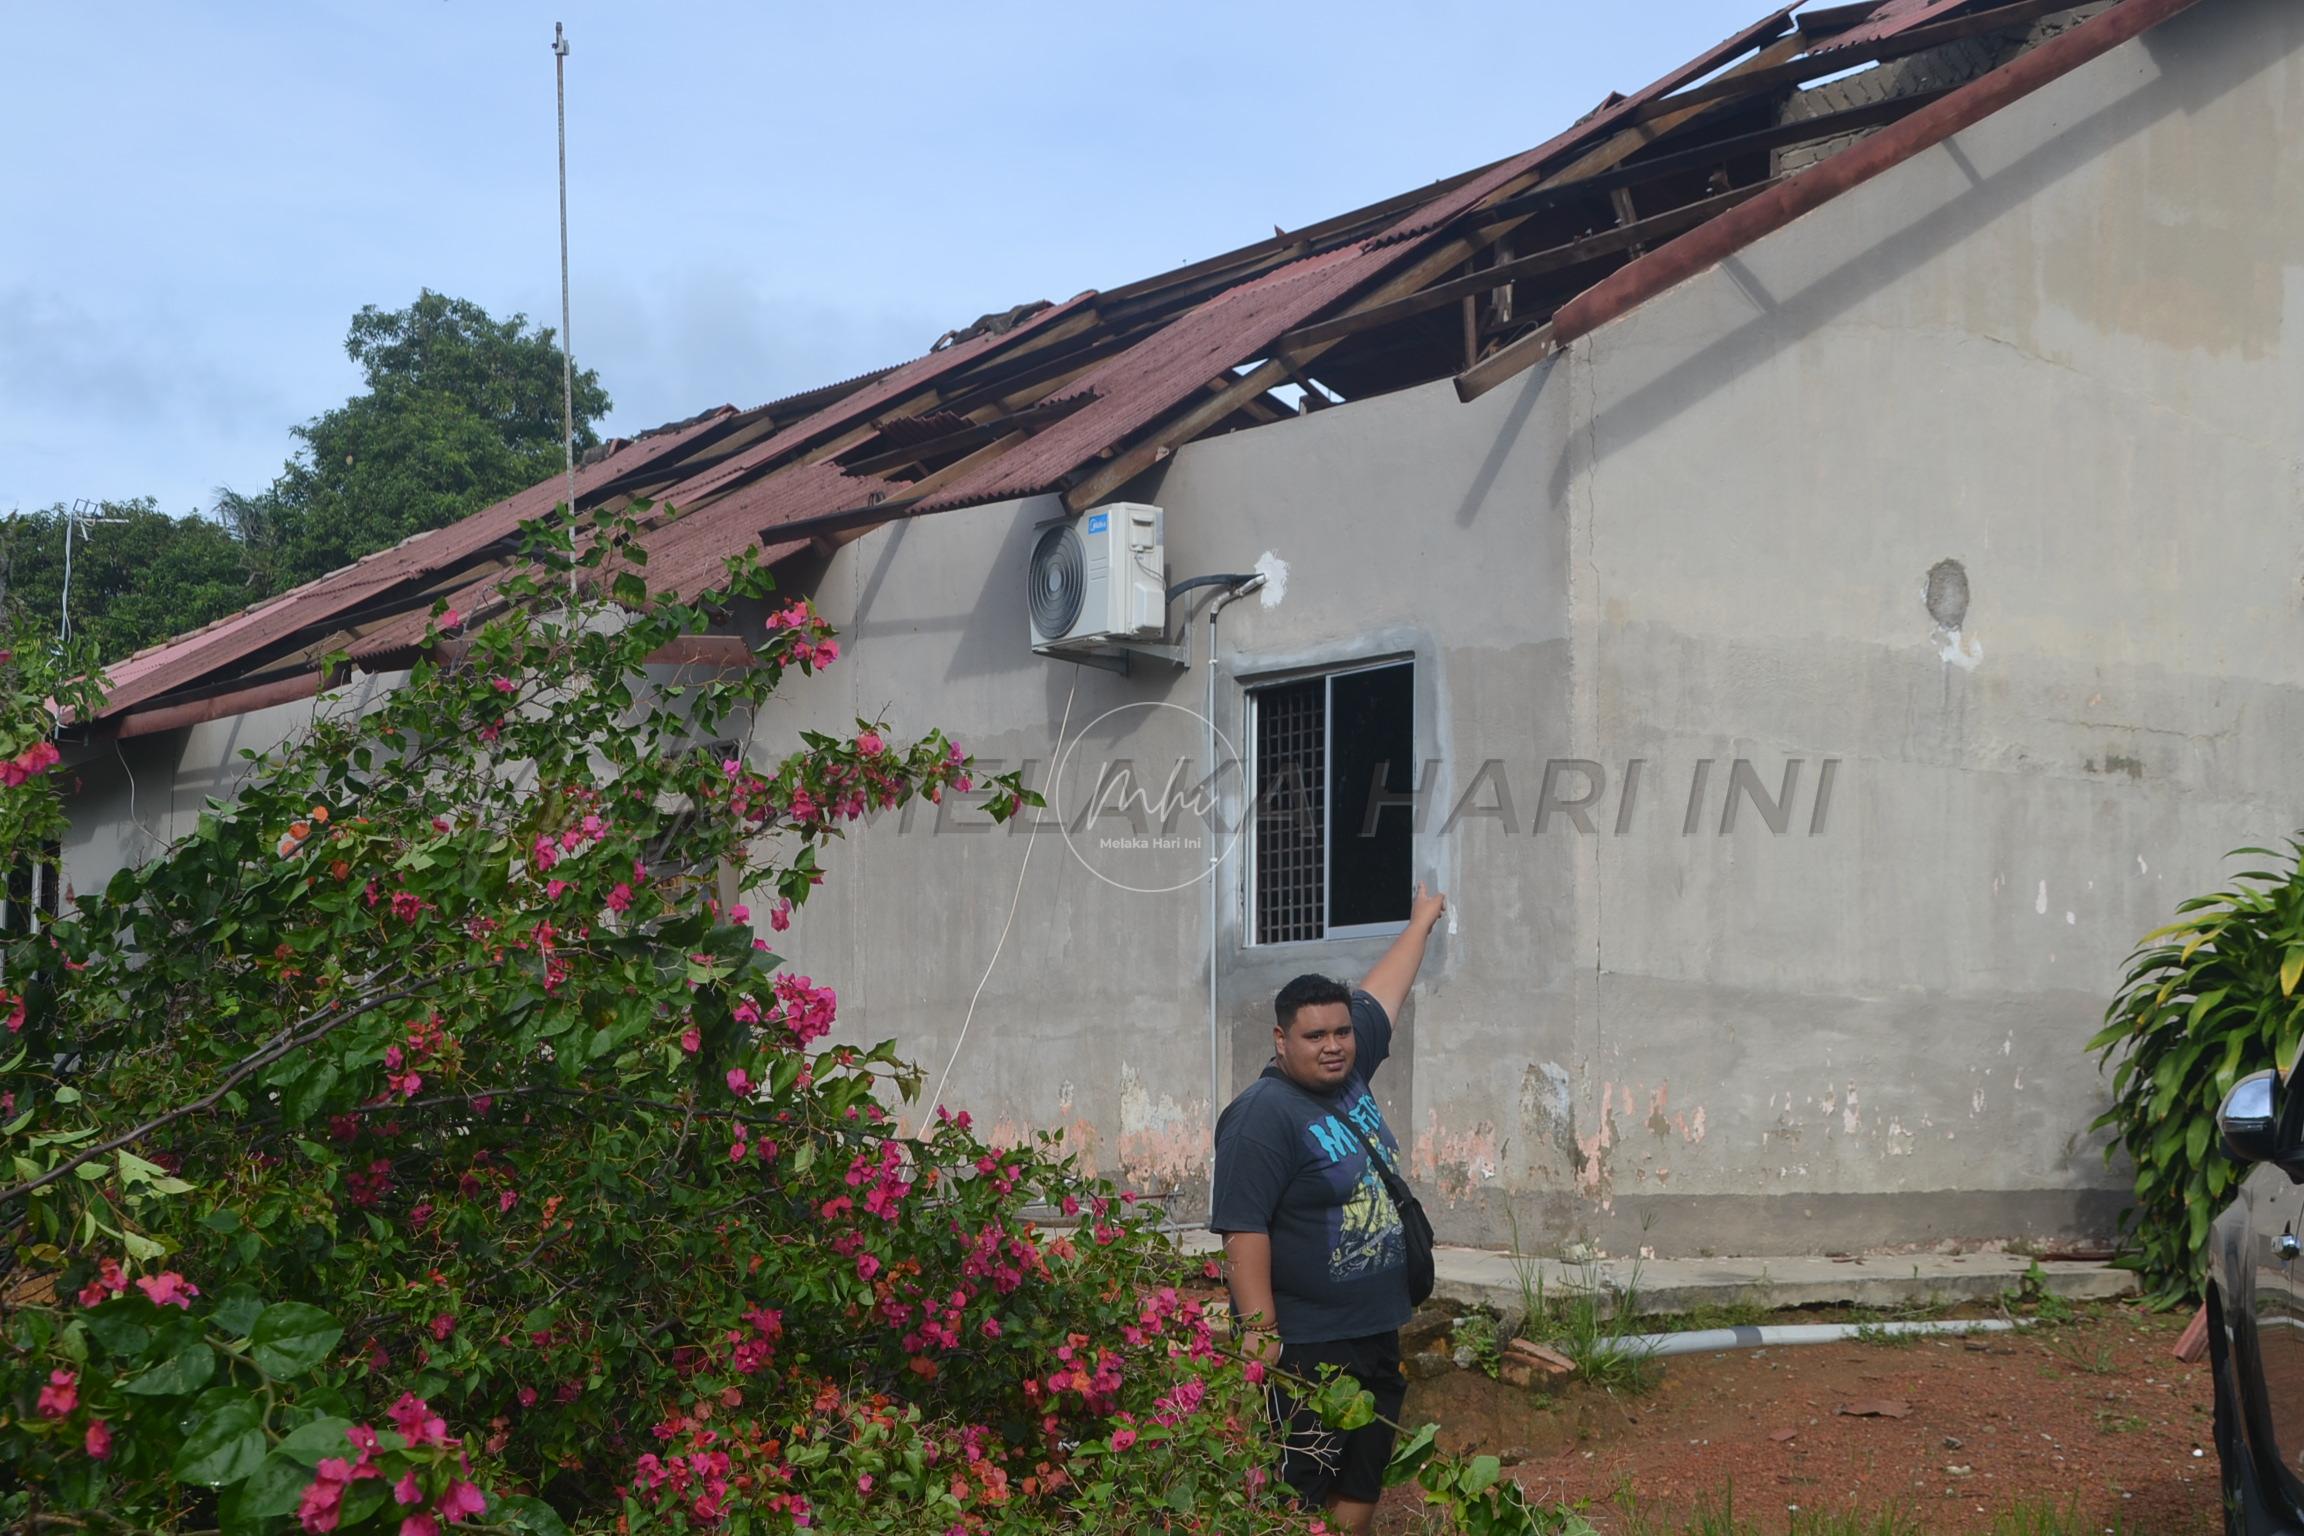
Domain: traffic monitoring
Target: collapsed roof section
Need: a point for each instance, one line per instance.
(1473, 279)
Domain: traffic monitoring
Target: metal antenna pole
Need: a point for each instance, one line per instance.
(567, 342)
(64, 620)
(80, 518)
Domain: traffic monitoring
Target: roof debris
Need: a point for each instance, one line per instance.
(1458, 280)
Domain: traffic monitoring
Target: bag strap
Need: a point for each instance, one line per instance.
(1394, 1185)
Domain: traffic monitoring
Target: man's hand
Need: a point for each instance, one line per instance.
(1425, 911)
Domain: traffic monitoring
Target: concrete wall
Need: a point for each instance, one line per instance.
(2053, 351)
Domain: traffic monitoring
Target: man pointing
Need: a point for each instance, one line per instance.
(1313, 1239)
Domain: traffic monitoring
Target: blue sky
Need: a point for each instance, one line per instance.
(762, 197)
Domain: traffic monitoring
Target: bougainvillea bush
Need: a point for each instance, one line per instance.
(426, 1141)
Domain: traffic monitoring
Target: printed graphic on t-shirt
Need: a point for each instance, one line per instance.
(1364, 1233)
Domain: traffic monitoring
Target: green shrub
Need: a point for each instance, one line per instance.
(2207, 999)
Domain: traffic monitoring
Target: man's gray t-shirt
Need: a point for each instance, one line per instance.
(1293, 1164)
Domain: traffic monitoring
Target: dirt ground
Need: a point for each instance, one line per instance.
(2095, 1417)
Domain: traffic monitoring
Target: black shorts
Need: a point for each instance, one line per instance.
(1322, 1463)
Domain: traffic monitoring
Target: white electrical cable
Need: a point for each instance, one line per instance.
(1030, 842)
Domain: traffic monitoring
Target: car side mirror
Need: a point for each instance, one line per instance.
(2250, 1119)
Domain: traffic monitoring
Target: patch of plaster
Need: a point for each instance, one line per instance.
(1274, 570)
(1958, 650)
(1850, 1120)
(2040, 902)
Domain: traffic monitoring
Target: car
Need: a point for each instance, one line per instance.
(2255, 1305)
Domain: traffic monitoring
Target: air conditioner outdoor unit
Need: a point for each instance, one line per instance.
(1100, 579)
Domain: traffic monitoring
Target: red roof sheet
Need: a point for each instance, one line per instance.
(152, 672)
(1892, 17)
(1033, 422)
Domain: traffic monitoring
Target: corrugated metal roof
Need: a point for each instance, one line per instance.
(1028, 409)
(1892, 17)
(154, 671)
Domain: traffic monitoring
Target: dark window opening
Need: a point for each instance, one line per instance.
(1333, 854)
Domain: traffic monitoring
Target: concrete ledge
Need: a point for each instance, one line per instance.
(1483, 1277)
(1479, 1277)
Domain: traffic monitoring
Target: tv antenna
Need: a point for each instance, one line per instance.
(85, 514)
(567, 341)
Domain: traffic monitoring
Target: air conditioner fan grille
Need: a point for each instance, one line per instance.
(1059, 581)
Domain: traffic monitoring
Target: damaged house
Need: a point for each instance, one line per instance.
(1806, 558)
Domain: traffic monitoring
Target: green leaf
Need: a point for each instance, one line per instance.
(361, 1502)
(528, 1514)
(2196, 1139)
(225, 1445)
(308, 1444)
(116, 1328)
(1480, 1474)
(308, 1093)
(187, 1370)
(2291, 968)
(291, 1338)
(237, 1310)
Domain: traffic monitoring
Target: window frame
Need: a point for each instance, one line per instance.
(1252, 733)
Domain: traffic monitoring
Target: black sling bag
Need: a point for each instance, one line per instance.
(1415, 1226)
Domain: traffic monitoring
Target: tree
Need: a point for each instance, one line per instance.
(461, 410)
(138, 577)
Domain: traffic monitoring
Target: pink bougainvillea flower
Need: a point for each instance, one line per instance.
(503, 685)
(419, 1524)
(780, 916)
(322, 1504)
(866, 1266)
(691, 1039)
(1122, 1439)
(98, 1443)
(416, 1421)
(620, 898)
(553, 888)
(870, 744)
(442, 1326)
(460, 1500)
(60, 1396)
(739, 1081)
(451, 621)
(527, 1396)
(405, 1491)
(504, 1201)
(109, 1282)
(739, 913)
(168, 1289)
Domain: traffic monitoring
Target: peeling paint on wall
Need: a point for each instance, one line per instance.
(1163, 1143)
(1454, 1164)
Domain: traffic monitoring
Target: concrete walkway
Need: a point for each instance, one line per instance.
(1484, 1277)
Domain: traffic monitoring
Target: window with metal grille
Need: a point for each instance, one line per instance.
(34, 889)
(1331, 859)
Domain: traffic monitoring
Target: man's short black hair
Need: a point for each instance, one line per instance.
(1308, 992)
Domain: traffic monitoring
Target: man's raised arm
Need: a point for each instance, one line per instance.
(1389, 982)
